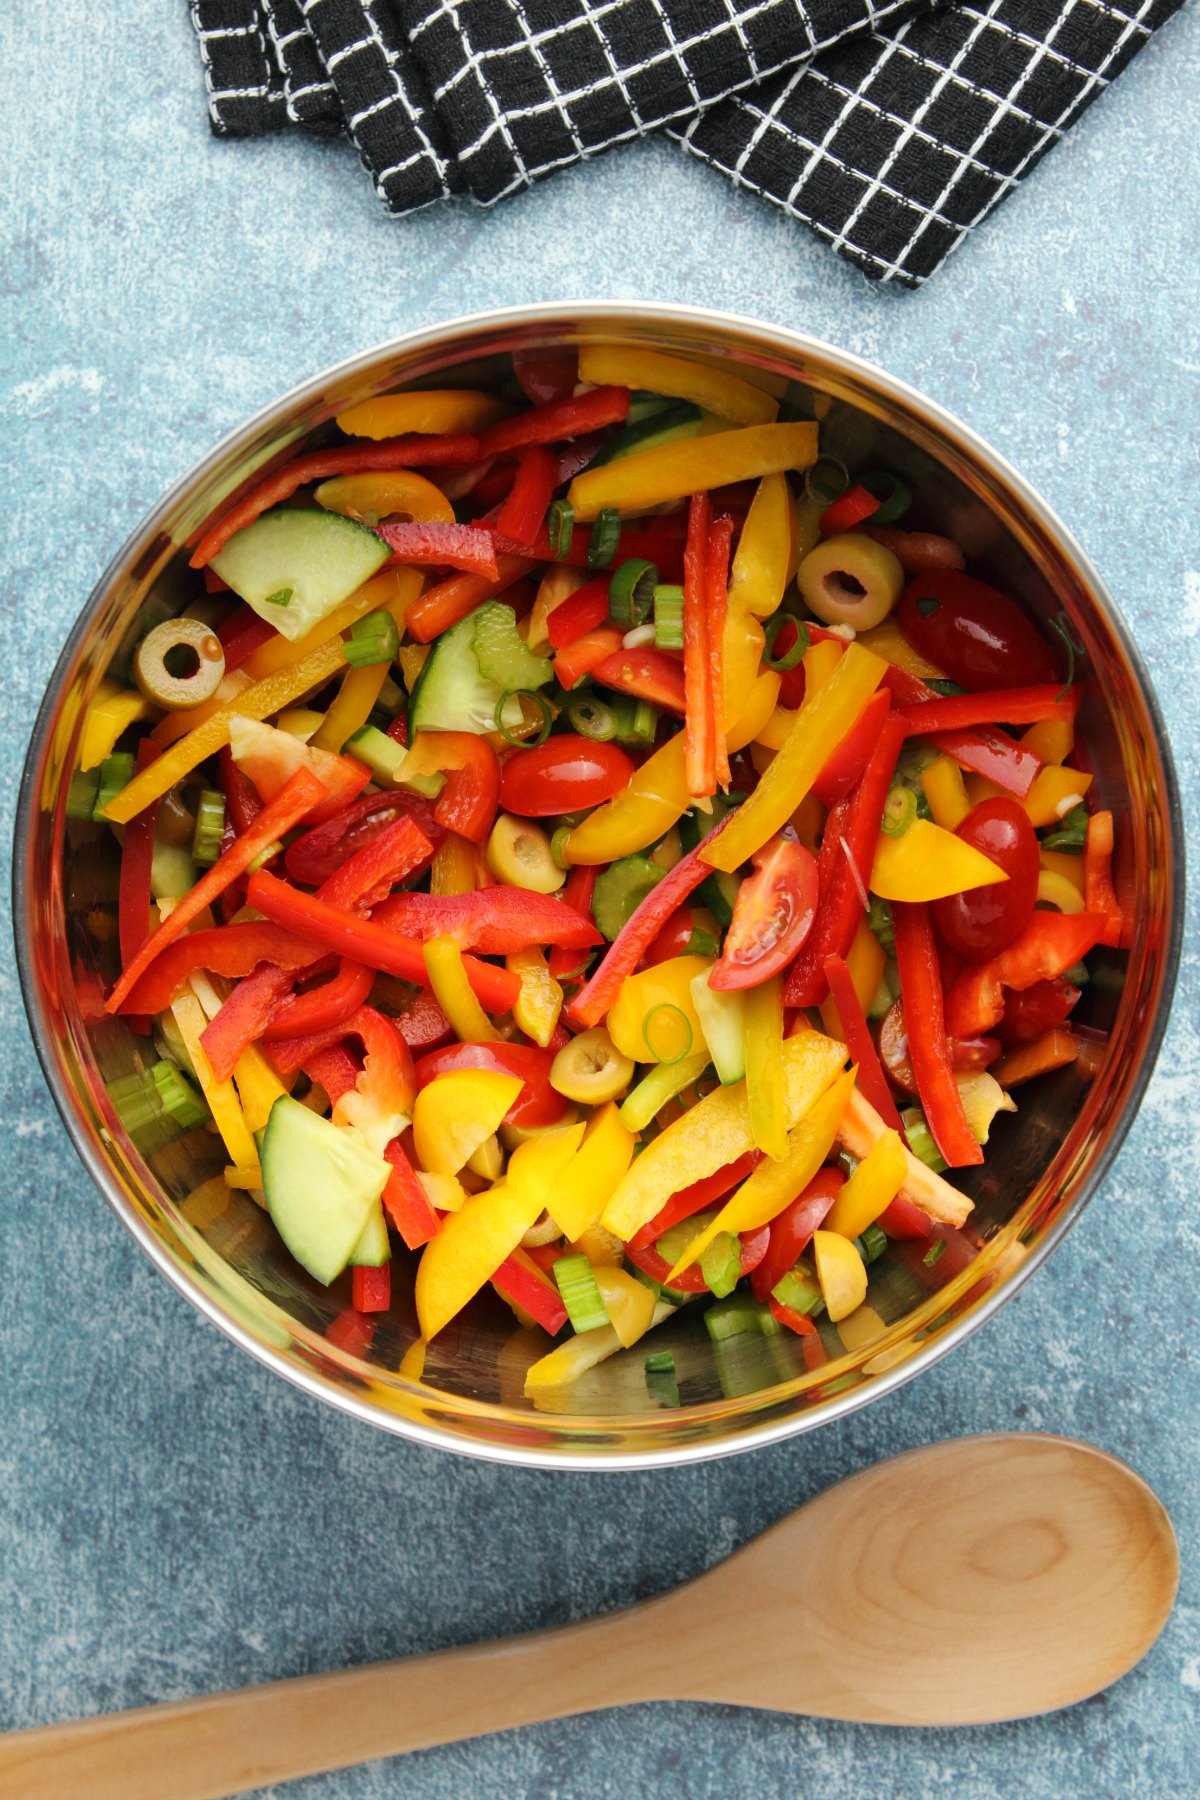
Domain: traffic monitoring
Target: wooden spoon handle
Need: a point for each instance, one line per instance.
(252, 1737)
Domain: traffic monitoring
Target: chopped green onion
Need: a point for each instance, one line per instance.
(1078, 976)
(672, 1296)
(667, 1006)
(739, 1314)
(662, 1385)
(606, 535)
(281, 597)
(373, 639)
(137, 1105)
(721, 1263)
(668, 617)
(702, 943)
(660, 1362)
(210, 827)
(558, 845)
(800, 1290)
(82, 794)
(927, 605)
(871, 1243)
(560, 527)
(180, 1100)
(636, 720)
(879, 923)
(1071, 835)
(1060, 624)
(899, 811)
(591, 718)
(579, 1293)
(935, 1251)
(920, 1139)
(116, 772)
(264, 857)
(771, 631)
(894, 500)
(947, 689)
(535, 699)
(826, 480)
(631, 591)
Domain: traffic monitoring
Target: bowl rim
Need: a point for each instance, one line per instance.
(793, 344)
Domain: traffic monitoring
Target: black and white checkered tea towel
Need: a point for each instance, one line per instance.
(892, 127)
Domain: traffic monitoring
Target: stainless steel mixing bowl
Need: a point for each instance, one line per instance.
(221, 1251)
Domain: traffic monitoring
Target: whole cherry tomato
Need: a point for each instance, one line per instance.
(1031, 1012)
(536, 1104)
(980, 924)
(772, 916)
(975, 634)
(563, 775)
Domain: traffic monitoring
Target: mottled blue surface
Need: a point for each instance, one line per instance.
(172, 1517)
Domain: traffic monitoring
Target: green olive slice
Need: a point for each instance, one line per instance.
(591, 1068)
(180, 664)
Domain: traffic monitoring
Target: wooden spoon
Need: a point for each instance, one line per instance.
(980, 1579)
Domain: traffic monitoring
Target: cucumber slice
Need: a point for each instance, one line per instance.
(680, 420)
(172, 871)
(723, 1022)
(620, 890)
(451, 693)
(316, 558)
(372, 1249)
(321, 1184)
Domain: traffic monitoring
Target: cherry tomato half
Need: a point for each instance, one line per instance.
(536, 1104)
(980, 924)
(974, 633)
(772, 916)
(563, 775)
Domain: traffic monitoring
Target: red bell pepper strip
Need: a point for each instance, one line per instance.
(331, 1004)
(444, 604)
(386, 1081)
(492, 920)
(579, 613)
(691, 1200)
(405, 1200)
(312, 858)
(536, 1104)
(423, 1025)
(635, 937)
(244, 1017)
(716, 607)
(577, 893)
(1050, 944)
(792, 1228)
(243, 802)
(691, 1281)
(351, 1332)
(871, 1079)
(559, 419)
(332, 1068)
(232, 950)
(983, 750)
(658, 540)
(546, 375)
(366, 942)
(1099, 895)
(137, 855)
(994, 706)
(524, 512)
(844, 768)
(844, 866)
(800, 1323)
(241, 634)
(433, 543)
(371, 1288)
(699, 730)
(468, 802)
(298, 797)
(585, 656)
(519, 1280)
(648, 675)
(847, 511)
(369, 876)
(924, 1013)
(389, 453)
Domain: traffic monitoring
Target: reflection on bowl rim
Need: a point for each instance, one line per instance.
(893, 1353)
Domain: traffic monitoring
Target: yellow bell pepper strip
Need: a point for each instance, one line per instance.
(713, 1133)
(602, 1249)
(1053, 794)
(174, 725)
(653, 1018)
(872, 1187)
(946, 792)
(716, 390)
(454, 1113)
(454, 994)
(656, 795)
(188, 1014)
(113, 711)
(806, 530)
(445, 1193)
(455, 867)
(433, 412)
(351, 708)
(384, 493)
(1064, 865)
(772, 1185)
(824, 719)
(820, 660)
(590, 1182)
(662, 1084)
(258, 702)
(764, 1066)
(760, 567)
(693, 466)
(887, 640)
(1058, 891)
(250, 1178)
(391, 590)
(841, 1272)
(927, 863)
(628, 1302)
(563, 1366)
(487, 1228)
(861, 1128)
(1050, 739)
(540, 1001)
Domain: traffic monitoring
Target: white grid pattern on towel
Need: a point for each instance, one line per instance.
(218, 89)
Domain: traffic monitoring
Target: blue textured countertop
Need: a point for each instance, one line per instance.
(172, 1517)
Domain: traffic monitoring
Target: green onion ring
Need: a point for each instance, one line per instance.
(894, 501)
(543, 705)
(667, 1006)
(771, 631)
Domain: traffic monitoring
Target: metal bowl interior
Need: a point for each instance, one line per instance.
(467, 1394)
